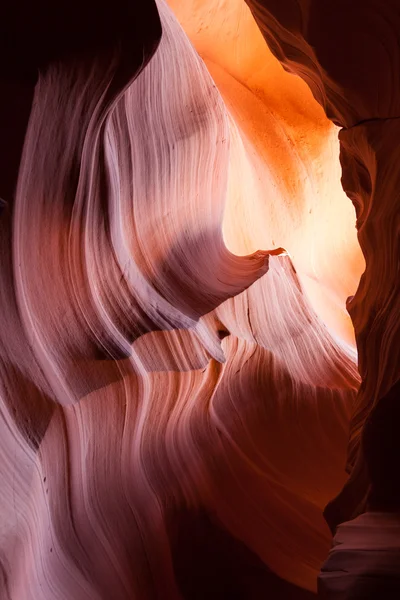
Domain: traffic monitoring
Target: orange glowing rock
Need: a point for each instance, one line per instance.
(284, 176)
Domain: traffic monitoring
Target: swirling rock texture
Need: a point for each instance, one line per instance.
(178, 370)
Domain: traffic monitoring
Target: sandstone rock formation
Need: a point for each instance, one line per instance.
(178, 370)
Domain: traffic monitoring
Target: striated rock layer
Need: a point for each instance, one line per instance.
(177, 366)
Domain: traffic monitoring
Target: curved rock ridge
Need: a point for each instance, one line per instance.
(348, 54)
(135, 243)
(162, 357)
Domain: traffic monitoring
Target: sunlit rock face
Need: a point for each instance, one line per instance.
(178, 370)
(284, 175)
(349, 57)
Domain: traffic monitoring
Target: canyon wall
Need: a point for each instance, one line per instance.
(348, 54)
(178, 371)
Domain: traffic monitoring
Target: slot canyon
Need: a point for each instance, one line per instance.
(199, 300)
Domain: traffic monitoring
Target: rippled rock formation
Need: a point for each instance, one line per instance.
(178, 371)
